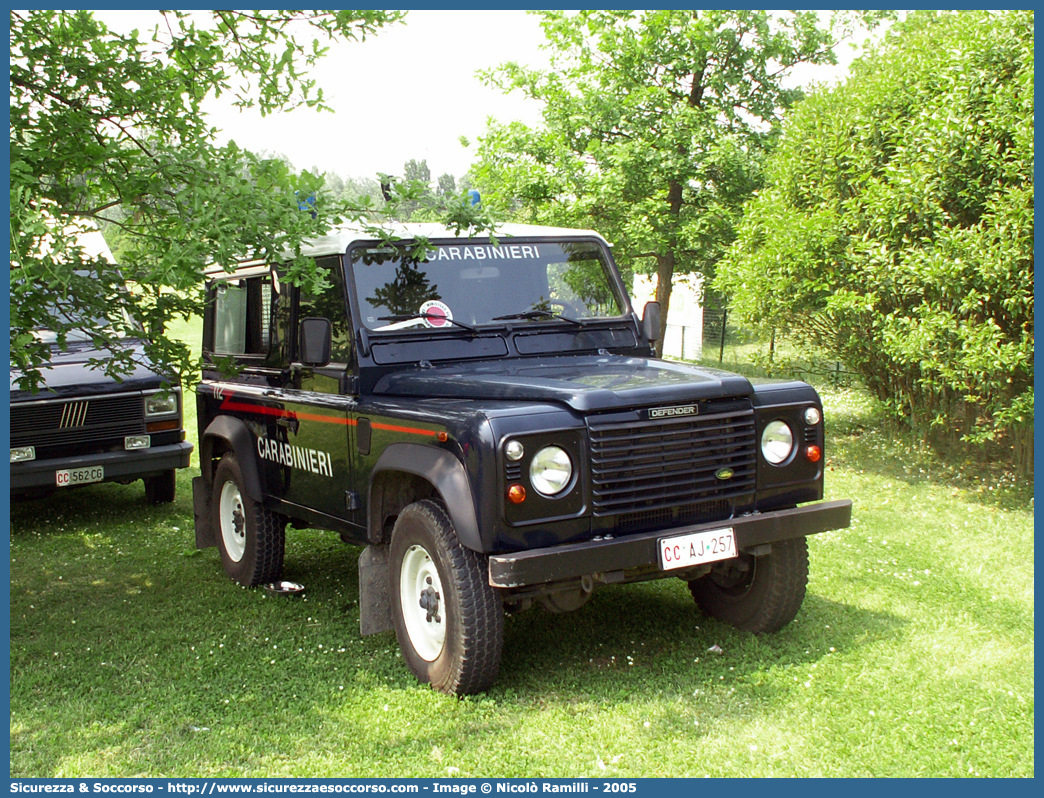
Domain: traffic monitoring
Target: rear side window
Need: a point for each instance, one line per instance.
(241, 326)
(243, 317)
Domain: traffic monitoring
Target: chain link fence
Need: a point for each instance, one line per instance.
(734, 347)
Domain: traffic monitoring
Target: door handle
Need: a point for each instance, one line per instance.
(289, 422)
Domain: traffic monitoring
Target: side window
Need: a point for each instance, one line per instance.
(243, 317)
(331, 304)
(230, 318)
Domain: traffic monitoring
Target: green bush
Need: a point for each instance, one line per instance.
(897, 229)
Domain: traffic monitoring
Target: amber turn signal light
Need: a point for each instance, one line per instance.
(516, 494)
(813, 454)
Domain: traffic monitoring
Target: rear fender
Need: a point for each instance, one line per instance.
(224, 434)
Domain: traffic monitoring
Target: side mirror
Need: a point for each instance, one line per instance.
(651, 321)
(315, 338)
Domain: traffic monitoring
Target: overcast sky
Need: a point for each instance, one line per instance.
(410, 92)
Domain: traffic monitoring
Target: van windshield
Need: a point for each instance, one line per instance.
(464, 284)
(79, 329)
(82, 324)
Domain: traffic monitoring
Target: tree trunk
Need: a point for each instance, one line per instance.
(665, 262)
(664, 284)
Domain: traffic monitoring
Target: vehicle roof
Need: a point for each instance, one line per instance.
(340, 239)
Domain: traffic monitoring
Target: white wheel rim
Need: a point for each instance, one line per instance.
(233, 521)
(423, 603)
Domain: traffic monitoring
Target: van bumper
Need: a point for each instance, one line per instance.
(123, 466)
(637, 556)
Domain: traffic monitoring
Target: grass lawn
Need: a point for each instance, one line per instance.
(133, 655)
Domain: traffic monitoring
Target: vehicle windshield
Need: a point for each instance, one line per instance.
(82, 324)
(82, 329)
(463, 284)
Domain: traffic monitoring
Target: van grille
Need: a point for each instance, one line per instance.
(640, 467)
(79, 421)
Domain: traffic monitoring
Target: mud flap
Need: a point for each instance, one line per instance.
(374, 600)
(201, 493)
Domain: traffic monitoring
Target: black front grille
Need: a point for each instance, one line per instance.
(77, 421)
(673, 516)
(706, 461)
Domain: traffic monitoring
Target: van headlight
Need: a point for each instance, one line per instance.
(22, 454)
(551, 471)
(777, 442)
(161, 404)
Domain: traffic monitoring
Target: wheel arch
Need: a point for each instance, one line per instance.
(428, 473)
(229, 434)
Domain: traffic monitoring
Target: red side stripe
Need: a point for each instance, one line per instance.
(408, 430)
(239, 407)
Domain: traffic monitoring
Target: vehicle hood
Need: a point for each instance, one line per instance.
(586, 384)
(69, 374)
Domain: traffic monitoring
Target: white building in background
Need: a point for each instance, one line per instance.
(684, 334)
(87, 235)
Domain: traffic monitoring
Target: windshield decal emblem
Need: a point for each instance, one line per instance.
(673, 412)
(435, 314)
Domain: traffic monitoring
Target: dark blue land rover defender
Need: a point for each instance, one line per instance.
(487, 418)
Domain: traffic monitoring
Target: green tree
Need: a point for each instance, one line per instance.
(107, 128)
(358, 192)
(447, 185)
(334, 184)
(416, 208)
(897, 231)
(417, 201)
(653, 128)
(417, 170)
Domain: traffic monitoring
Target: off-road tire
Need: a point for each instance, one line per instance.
(764, 598)
(463, 657)
(160, 489)
(251, 538)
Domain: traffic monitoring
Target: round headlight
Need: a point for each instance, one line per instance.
(812, 416)
(551, 470)
(514, 450)
(777, 442)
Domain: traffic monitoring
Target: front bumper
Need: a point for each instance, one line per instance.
(119, 466)
(621, 559)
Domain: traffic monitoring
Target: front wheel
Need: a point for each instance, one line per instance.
(758, 594)
(251, 538)
(448, 620)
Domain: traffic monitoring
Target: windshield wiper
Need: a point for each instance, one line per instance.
(430, 316)
(537, 314)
